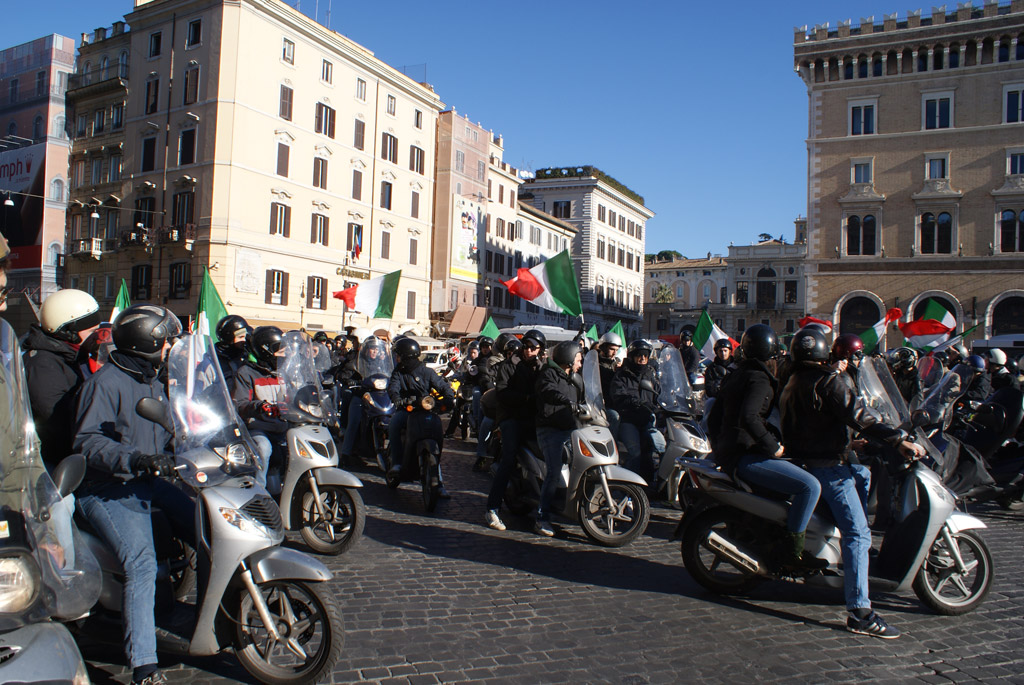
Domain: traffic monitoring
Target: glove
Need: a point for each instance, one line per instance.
(153, 465)
(269, 410)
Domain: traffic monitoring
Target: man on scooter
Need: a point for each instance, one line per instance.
(125, 456)
(635, 390)
(371, 349)
(557, 402)
(410, 382)
(255, 390)
(820, 409)
(232, 332)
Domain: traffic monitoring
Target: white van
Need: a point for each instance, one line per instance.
(1012, 345)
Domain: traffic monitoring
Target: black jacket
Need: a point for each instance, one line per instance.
(346, 374)
(909, 384)
(739, 417)
(107, 430)
(417, 382)
(634, 403)
(503, 374)
(556, 398)
(691, 358)
(715, 374)
(53, 373)
(487, 370)
(607, 367)
(978, 390)
(231, 359)
(516, 388)
(820, 412)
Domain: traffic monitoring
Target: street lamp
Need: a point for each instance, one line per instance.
(8, 202)
(487, 296)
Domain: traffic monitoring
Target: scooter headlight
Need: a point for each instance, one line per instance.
(380, 383)
(244, 522)
(235, 453)
(312, 409)
(19, 583)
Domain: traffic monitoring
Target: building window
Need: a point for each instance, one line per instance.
(81, 124)
(117, 116)
(97, 171)
(1011, 231)
(283, 152)
(280, 219)
(861, 171)
(860, 235)
(501, 193)
(410, 305)
(354, 240)
(414, 250)
(360, 89)
(318, 230)
(789, 288)
(114, 168)
(600, 247)
(99, 121)
(392, 104)
(195, 33)
(57, 190)
(385, 245)
(320, 172)
(460, 161)
(180, 280)
(148, 154)
(357, 184)
(937, 111)
(385, 195)
(1015, 163)
(936, 167)
(389, 147)
(612, 218)
(183, 208)
(1014, 97)
(936, 233)
(277, 287)
(315, 288)
(600, 212)
(154, 44)
(741, 293)
(327, 72)
(862, 119)
(324, 120)
(416, 157)
(152, 95)
(499, 228)
(187, 147)
(288, 51)
(285, 107)
(191, 85)
(358, 138)
(561, 209)
(142, 281)
(145, 211)
(414, 205)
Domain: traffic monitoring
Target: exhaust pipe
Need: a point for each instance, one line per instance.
(731, 552)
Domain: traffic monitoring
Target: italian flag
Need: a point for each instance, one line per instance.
(550, 285)
(211, 308)
(122, 302)
(808, 320)
(707, 334)
(871, 336)
(375, 297)
(954, 340)
(932, 329)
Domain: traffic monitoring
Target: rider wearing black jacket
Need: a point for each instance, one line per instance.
(635, 389)
(232, 333)
(716, 372)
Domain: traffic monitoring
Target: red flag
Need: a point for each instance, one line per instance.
(348, 296)
(525, 285)
(923, 327)
(810, 319)
(893, 314)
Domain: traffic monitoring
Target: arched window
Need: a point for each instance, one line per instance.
(57, 190)
(954, 56)
(86, 75)
(38, 130)
(1008, 316)
(891, 66)
(833, 69)
(848, 67)
(922, 58)
(1011, 230)
(12, 129)
(876, 65)
(53, 253)
(59, 123)
(766, 288)
(988, 51)
(857, 315)
(1004, 49)
(938, 57)
(971, 56)
(862, 66)
(819, 71)
(936, 233)
(122, 64)
(861, 235)
(908, 60)
(103, 68)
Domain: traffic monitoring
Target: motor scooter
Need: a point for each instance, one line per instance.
(731, 529)
(374, 365)
(607, 500)
(422, 450)
(317, 498)
(266, 602)
(47, 573)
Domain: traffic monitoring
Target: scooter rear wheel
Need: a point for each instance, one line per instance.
(343, 526)
(430, 481)
(943, 588)
(708, 567)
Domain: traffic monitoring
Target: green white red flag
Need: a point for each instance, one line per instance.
(550, 285)
(122, 302)
(871, 336)
(375, 297)
(932, 329)
(211, 308)
(707, 334)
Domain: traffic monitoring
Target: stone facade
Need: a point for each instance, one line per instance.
(692, 285)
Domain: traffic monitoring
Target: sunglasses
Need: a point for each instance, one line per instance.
(531, 347)
(4, 292)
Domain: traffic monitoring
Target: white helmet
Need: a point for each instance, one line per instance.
(610, 338)
(997, 357)
(66, 312)
(361, 334)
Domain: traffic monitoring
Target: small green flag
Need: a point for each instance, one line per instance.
(592, 333)
(490, 329)
(122, 302)
(211, 309)
(617, 329)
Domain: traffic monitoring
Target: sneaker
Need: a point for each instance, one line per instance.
(873, 625)
(493, 520)
(155, 678)
(544, 528)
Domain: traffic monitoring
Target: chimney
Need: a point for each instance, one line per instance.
(991, 8)
(101, 34)
(913, 19)
(889, 22)
(938, 15)
(867, 25)
(963, 10)
(118, 28)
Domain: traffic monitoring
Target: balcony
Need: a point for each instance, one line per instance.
(135, 237)
(115, 75)
(176, 235)
(89, 248)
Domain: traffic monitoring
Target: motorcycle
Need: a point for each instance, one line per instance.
(608, 500)
(374, 365)
(422, 451)
(462, 414)
(319, 499)
(266, 602)
(683, 434)
(730, 531)
(47, 573)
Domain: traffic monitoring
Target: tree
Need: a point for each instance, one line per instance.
(668, 255)
(764, 237)
(663, 295)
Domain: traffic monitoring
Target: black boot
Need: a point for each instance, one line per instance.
(794, 556)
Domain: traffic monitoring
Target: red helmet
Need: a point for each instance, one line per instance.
(848, 347)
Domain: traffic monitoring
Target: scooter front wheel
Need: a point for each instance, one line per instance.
(618, 522)
(430, 480)
(308, 624)
(340, 526)
(944, 585)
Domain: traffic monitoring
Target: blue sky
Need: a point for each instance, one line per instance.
(693, 105)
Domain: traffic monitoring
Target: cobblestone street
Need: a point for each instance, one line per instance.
(443, 598)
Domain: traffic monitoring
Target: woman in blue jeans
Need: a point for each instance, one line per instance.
(745, 445)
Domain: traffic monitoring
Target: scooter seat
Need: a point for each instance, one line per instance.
(760, 491)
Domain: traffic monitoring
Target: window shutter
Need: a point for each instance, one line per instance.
(284, 289)
(273, 218)
(357, 185)
(287, 221)
(282, 159)
(330, 122)
(359, 134)
(327, 231)
(415, 210)
(309, 291)
(312, 228)
(323, 293)
(270, 286)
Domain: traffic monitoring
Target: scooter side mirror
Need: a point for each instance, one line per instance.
(920, 418)
(646, 384)
(69, 474)
(156, 411)
(577, 380)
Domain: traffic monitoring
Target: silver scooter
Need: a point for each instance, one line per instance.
(730, 530)
(265, 601)
(608, 500)
(47, 573)
(319, 499)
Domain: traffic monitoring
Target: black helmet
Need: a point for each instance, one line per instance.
(485, 341)
(638, 347)
(565, 352)
(501, 341)
(902, 358)
(759, 342)
(536, 336)
(264, 343)
(142, 329)
(809, 344)
(228, 327)
(406, 351)
(513, 346)
(321, 337)
(473, 345)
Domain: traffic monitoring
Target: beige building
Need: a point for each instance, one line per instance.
(916, 166)
(676, 292)
(281, 154)
(765, 285)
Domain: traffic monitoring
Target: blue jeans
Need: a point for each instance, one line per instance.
(512, 433)
(844, 487)
(787, 478)
(551, 441)
(355, 420)
(120, 514)
(483, 434)
(263, 451)
(641, 443)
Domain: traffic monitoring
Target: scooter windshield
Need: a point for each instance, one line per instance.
(375, 360)
(302, 397)
(930, 370)
(323, 358)
(592, 388)
(45, 567)
(938, 402)
(676, 394)
(878, 390)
